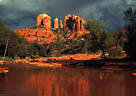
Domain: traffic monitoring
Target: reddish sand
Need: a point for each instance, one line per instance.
(69, 57)
(63, 60)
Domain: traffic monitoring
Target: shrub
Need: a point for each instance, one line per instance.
(6, 58)
(116, 53)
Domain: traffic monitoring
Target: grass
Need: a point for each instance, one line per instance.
(6, 59)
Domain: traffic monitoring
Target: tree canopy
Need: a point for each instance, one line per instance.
(11, 44)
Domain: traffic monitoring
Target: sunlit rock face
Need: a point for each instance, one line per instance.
(39, 35)
(44, 20)
(71, 22)
(55, 23)
(43, 32)
(74, 23)
(61, 24)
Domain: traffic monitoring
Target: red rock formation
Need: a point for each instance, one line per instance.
(65, 20)
(55, 23)
(78, 28)
(47, 22)
(61, 25)
(44, 20)
(45, 35)
(82, 24)
(74, 23)
(40, 35)
(71, 22)
(40, 18)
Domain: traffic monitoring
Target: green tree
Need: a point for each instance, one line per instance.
(120, 37)
(100, 38)
(64, 43)
(11, 44)
(95, 26)
(116, 52)
(36, 50)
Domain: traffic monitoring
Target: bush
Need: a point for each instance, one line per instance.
(116, 53)
(6, 58)
(34, 56)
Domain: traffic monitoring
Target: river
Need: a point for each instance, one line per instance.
(67, 81)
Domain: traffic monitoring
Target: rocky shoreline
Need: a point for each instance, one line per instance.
(74, 60)
(54, 61)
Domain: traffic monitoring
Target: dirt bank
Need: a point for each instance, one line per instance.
(55, 61)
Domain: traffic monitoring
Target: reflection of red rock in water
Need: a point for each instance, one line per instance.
(67, 82)
(84, 86)
(49, 84)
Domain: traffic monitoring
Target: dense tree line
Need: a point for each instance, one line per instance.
(12, 45)
(97, 41)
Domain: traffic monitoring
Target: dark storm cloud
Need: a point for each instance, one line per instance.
(15, 18)
(112, 16)
(2, 9)
(109, 11)
(22, 13)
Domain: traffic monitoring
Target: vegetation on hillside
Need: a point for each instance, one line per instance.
(11, 44)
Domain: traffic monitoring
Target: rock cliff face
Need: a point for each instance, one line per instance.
(39, 35)
(74, 23)
(61, 24)
(44, 20)
(42, 34)
(55, 23)
(71, 22)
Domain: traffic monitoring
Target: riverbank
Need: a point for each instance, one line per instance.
(74, 60)
(65, 60)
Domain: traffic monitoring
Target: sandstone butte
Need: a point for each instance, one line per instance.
(43, 32)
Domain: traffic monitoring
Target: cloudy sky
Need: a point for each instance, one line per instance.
(22, 13)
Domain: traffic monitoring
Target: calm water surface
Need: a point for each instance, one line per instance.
(67, 82)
